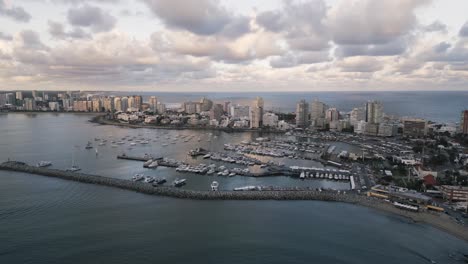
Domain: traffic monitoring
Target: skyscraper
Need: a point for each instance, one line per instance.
(302, 114)
(124, 103)
(332, 115)
(256, 113)
(374, 112)
(317, 113)
(138, 101)
(206, 104)
(118, 104)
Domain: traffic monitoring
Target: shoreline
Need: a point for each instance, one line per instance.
(437, 220)
(99, 120)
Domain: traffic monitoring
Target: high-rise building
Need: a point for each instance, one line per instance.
(138, 101)
(19, 95)
(240, 111)
(374, 112)
(67, 104)
(29, 104)
(131, 102)
(270, 120)
(153, 103)
(227, 107)
(216, 112)
(302, 114)
(317, 110)
(118, 104)
(464, 122)
(190, 107)
(108, 104)
(332, 115)
(97, 105)
(34, 94)
(205, 104)
(161, 108)
(256, 113)
(10, 98)
(415, 127)
(356, 115)
(124, 104)
(54, 106)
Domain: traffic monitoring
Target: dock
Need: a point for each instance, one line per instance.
(136, 158)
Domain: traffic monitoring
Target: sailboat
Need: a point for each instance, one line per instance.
(74, 167)
(97, 153)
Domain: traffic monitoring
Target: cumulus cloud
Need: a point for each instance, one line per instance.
(299, 58)
(4, 36)
(92, 17)
(360, 64)
(203, 17)
(372, 22)
(464, 30)
(15, 12)
(57, 30)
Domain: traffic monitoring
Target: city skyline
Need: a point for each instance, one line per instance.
(226, 46)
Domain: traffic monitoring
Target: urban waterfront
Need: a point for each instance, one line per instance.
(57, 221)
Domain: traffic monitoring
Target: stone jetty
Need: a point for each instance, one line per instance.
(182, 193)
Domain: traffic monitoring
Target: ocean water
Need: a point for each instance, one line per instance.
(47, 220)
(438, 106)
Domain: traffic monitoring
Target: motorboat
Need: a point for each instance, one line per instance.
(138, 177)
(44, 164)
(179, 182)
(214, 186)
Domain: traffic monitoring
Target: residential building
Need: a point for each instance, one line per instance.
(256, 113)
(356, 115)
(216, 112)
(415, 127)
(29, 104)
(374, 112)
(270, 120)
(239, 111)
(317, 113)
(54, 106)
(454, 193)
(153, 103)
(302, 114)
(124, 104)
(118, 104)
(464, 122)
(161, 108)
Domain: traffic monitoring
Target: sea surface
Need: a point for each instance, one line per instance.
(48, 220)
(437, 106)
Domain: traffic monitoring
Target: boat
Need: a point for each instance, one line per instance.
(44, 164)
(232, 174)
(302, 176)
(179, 182)
(214, 186)
(159, 181)
(153, 165)
(138, 177)
(246, 188)
(73, 168)
(89, 145)
(211, 171)
(97, 153)
(147, 163)
(207, 156)
(149, 179)
(133, 144)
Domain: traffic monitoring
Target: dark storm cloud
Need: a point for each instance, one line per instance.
(15, 12)
(91, 17)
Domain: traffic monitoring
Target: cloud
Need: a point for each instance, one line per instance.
(395, 47)
(369, 22)
(435, 27)
(300, 23)
(30, 39)
(57, 30)
(360, 64)
(92, 17)
(464, 30)
(202, 17)
(15, 12)
(4, 36)
(299, 58)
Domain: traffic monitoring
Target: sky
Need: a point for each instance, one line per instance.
(234, 45)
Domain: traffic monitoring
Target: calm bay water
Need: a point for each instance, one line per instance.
(46, 220)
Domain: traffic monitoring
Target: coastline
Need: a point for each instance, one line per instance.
(100, 120)
(437, 220)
